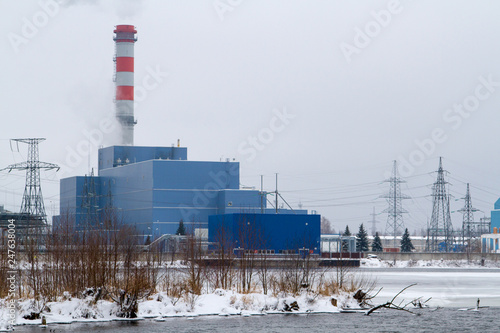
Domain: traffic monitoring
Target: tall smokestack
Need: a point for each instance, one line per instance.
(125, 37)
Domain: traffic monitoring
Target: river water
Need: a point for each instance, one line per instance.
(452, 291)
(448, 287)
(429, 320)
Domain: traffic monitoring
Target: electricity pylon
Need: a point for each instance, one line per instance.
(90, 203)
(395, 211)
(468, 224)
(374, 222)
(33, 216)
(441, 228)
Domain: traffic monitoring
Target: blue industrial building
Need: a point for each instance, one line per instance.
(495, 216)
(154, 188)
(275, 233)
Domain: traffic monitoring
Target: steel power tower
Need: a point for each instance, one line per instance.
(90, 203)
(468, 224)
(441, 227)
(395, 211)
(484, 225)
(374, 222)
(33, 216)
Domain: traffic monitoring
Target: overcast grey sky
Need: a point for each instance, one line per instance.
(325, 93)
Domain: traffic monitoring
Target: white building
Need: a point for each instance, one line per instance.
(489, 242)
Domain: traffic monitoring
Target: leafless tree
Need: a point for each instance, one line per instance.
(196, 268)
(249, 246)
(263, 270)
(4, 264)
(222, 272)
(297, 270)
(326, 226)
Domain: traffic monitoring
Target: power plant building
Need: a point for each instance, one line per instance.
(274, 233)
(154, 188)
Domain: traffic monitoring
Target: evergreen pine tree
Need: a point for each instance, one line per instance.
(181, 230)
(148, 241)
(362, 243)
(345, 244)
(406, 245)
(377, 244)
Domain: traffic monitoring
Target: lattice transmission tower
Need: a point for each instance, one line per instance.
(485, 225)
(90, 203)
(33, 216)
(441, 229)
(395, 211)
(469, 229)
(373, 222)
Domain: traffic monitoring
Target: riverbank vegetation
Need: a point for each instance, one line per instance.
(105, 263)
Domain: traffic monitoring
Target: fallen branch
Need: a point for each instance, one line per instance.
(370, 297)
(418, 303)
(391, 305)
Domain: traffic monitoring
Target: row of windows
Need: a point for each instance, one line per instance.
(238, 251)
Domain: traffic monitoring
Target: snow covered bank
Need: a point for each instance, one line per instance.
(220, 303)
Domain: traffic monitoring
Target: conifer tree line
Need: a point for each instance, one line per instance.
(363, 243)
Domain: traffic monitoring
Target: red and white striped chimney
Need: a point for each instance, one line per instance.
(125, 37)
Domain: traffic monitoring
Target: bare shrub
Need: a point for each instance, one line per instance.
(249, 244)
(4, 267)
(137, 279)
(221, 273)
(196, 268)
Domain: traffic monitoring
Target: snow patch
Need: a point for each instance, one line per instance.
(159, 306)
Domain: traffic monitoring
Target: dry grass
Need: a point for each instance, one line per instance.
(352, 282)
